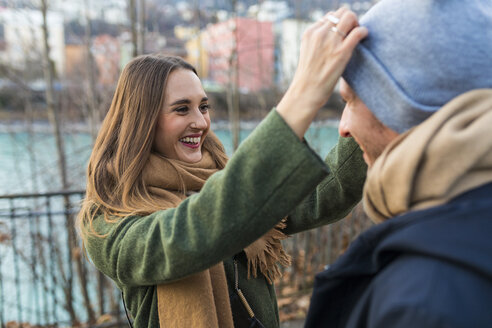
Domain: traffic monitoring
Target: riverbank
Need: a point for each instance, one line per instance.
(13, 124)
(252, 110)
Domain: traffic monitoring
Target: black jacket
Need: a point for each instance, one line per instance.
(430, 268)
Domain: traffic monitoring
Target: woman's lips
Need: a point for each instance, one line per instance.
(191, 141)
(193, 146)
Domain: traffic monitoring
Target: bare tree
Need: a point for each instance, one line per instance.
(198, 67)
(233, 85)
(132, 11)
(93, 117)
(136, 11)
(141, 25)
(51, 106)
(53, 114)
(259, 53)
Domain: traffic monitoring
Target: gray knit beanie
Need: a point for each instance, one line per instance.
(419, 55)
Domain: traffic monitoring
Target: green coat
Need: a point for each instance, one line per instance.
(269, 174)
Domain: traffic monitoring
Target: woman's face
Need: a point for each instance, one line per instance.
(184, 121)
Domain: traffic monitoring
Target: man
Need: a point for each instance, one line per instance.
(419, 103)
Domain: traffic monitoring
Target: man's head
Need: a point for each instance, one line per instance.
(418, 56)
(359, 122)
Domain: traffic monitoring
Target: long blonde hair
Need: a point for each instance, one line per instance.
(115, 186)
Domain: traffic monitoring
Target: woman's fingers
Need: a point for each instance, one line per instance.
(348, 21)
(354, 37)
(340, 11)
(326, 48)
(349, 25)
(346, 28)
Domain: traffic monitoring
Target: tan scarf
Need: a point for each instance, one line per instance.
(446, 155)
(202, 299)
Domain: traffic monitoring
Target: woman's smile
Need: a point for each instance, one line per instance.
(192, 141)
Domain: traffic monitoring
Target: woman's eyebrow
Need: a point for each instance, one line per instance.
(180, 102)
(185, 101)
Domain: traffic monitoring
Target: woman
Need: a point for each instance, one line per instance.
(187, 239)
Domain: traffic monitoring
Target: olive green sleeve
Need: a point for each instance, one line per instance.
(337, 194)
(270, 172)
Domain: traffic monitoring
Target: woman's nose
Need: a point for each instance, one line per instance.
(199, 121)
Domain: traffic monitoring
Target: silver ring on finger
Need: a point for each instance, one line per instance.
(336, 30)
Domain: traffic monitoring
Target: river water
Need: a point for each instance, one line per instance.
(28, 161)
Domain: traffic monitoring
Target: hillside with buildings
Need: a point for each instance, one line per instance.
(243, 49)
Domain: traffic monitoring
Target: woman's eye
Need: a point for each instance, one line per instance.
(183, 109)
(204, 107)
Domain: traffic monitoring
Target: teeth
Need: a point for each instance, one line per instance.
(190, 140)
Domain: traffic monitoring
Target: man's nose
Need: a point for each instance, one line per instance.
(343, 127)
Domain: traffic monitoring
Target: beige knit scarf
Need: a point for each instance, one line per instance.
(202, 299)
(446, 155)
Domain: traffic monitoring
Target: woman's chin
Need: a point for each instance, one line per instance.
(192, 158)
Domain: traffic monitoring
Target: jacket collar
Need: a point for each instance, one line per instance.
(457, 232)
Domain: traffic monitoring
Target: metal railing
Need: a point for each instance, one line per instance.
(46, 280)
(314, 250)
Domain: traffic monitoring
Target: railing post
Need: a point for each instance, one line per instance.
(70, 246)
(33, 231)
(2, 299)
(52, 260)
(16, 262)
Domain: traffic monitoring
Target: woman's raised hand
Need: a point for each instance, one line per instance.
(326, 48)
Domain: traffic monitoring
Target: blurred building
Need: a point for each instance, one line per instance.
(106, 52)
(173, 46)
(196, 53)
(271, 11)
(290, 36)
(185, 33)
(115, 12)
(246, 40)
(75, 61)
(110, 11)
(23, 38)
